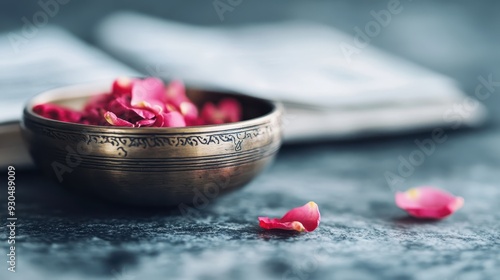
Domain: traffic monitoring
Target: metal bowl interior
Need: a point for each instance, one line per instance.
(153, 166)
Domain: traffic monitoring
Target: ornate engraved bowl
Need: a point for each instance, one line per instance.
(153, 166)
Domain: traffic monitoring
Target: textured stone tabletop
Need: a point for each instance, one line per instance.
(362, 234)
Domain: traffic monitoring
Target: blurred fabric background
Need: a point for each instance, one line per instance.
(455, 38)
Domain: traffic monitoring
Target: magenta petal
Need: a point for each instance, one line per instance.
(231, 109)
(305, 218)
(122, 86)
(144, 103)
(188, 110)
(122, 104)
(98, 101)
(160, 120)
(96, 106)
(94, 117)
(428, 202)
(228, 110)
(208, 110)
(268, 223)
(176, 92)
(112, 119)
(56, 112)
(144, 123)
(173, 119)
(211, 115)
(156, 110)
(151, 90)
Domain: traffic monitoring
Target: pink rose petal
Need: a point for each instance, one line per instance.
(112, 119)
(173, 119)
(157, 110)
(151, 90)
(189, 111)
(195, 122)
(94, 116)
(176, 93)
(145, 123)
(145, 103)
(231, 108)
(122, 105)
(428, 202)
(211, 115)
(122, 86)
(98, 101)
(305, 218)
(228, 110)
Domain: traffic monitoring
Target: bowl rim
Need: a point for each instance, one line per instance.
(91, 89)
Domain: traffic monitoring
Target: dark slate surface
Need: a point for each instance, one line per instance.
(362, 233)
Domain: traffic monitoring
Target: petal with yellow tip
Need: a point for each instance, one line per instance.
(303, 219)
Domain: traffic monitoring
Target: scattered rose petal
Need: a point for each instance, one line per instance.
(428, 202)
(157, 110)
(305, 218)
(56, 112)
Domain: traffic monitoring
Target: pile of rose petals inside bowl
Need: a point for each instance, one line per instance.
(145, 103)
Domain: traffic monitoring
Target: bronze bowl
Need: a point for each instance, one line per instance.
(153, 166)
